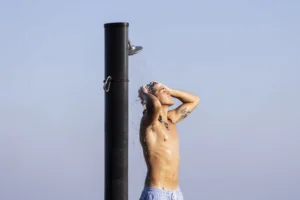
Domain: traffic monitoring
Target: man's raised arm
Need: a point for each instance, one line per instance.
(189, 103)
(153, 106)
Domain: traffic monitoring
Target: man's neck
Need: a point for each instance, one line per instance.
(164, 112)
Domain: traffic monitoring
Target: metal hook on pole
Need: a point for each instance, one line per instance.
(106, 85)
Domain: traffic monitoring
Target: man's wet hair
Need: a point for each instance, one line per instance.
(150, 87)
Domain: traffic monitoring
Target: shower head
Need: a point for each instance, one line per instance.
(133, 49)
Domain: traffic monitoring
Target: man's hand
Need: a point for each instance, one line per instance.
(171, 91)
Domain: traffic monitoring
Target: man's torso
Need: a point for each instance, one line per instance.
(161, 152)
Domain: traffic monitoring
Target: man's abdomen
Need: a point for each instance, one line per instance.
(163, 165)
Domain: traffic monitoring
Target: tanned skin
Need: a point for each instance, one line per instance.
(158, 133)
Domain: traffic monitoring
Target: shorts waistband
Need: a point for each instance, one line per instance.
(159, 190)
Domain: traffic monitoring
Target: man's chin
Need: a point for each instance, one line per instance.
(171, 104)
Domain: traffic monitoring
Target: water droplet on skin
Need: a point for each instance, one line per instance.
(169, 152)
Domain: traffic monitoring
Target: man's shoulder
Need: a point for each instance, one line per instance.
(171, 116)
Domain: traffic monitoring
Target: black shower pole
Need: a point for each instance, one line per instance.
(116, 111)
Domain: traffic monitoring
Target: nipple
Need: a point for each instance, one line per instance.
(165, 138)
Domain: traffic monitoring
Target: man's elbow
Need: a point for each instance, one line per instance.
(197, 101)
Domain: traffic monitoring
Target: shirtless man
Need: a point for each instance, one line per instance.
(159, 139)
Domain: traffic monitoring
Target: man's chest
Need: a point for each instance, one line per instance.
(167, 134)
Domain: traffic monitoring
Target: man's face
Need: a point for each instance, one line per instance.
(163, 95)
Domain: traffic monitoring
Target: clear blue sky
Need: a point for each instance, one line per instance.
(241, 58)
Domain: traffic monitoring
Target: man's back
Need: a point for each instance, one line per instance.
(161, 153)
